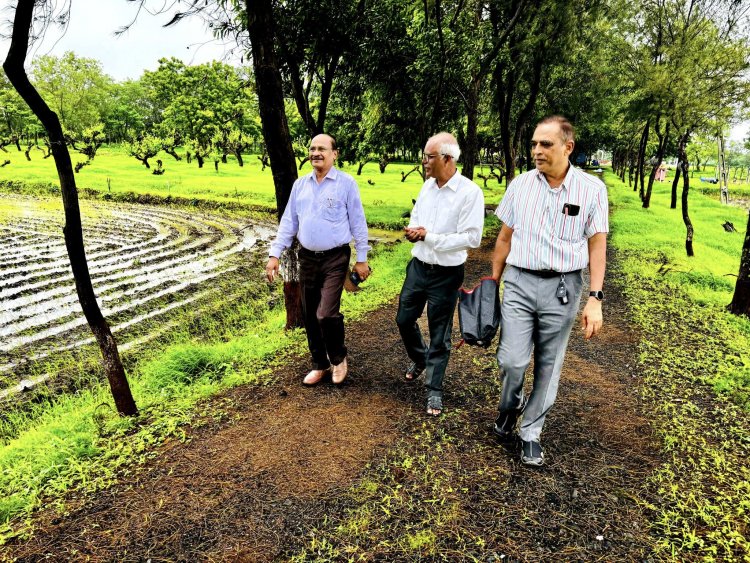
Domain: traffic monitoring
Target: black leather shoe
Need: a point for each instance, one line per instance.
(505, 426)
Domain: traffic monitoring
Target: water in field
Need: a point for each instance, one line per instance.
(145, 262)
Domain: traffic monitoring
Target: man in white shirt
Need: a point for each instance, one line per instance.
(447, 219)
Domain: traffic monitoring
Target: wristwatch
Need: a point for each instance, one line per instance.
(599, 295)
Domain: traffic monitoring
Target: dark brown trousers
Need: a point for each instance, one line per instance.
(322, 276)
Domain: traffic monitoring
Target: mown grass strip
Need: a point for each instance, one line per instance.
(80, 444)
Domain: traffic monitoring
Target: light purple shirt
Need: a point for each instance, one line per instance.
(545, 237)
(323, 216)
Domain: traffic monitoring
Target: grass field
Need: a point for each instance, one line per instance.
(384, 196)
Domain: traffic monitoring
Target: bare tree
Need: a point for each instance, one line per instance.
(73, 232)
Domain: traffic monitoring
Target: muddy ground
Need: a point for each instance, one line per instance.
(281, 466)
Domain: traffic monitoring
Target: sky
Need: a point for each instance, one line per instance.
(91, 34)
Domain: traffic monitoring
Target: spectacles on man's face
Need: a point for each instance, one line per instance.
(426, 157)
(319, 149)
(544, 144)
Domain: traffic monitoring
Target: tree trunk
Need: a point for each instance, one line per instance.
(659, 156)
(642, 159)
(723, 172)
(275, 127)
(685, 165)
(740, 304)
(73, 231)
(675, 183)
(471, 144)
(238, 154)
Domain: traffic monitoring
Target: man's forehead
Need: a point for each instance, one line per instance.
(547, 131)
(322, 141)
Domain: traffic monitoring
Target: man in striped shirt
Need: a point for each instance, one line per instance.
(555, 223)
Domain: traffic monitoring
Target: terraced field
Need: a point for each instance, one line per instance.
(153, 269)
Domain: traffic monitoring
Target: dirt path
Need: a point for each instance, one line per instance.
(283, 468)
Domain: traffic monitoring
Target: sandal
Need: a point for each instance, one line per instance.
(434, 405)
(413, 372)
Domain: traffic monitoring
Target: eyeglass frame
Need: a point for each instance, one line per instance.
(427, 157)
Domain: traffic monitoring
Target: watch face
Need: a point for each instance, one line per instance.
(598, 294)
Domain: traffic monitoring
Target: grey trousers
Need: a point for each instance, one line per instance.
(534, 319)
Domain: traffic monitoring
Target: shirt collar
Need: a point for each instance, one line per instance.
(332, 174)
(566, 181)
(452, 182)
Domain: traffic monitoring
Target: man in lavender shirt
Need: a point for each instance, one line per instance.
(325, 213)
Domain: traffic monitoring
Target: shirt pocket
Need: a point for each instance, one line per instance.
(570, 228)
(334, 210)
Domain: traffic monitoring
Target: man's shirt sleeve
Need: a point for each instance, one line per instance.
(468, 229)
(598, 220)
(357, 221)
(504, 211)
(288, 226)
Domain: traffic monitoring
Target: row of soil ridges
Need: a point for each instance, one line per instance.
(360, 473)
(150, 267)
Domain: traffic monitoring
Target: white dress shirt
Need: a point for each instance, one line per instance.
(453, 217)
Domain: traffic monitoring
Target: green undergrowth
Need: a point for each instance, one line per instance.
(695, 365)
(79, 443)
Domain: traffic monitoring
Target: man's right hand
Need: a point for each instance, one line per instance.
(272, 268)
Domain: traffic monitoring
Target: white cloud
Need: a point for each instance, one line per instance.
(91, 34)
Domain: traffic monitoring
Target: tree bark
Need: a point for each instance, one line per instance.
(685, 165)
(275, 130)
(740, 304)
(642, 159)
(73, 231)
(659, 156)
(471, 145)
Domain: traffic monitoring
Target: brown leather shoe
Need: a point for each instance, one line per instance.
(314, 377)
(339, 372)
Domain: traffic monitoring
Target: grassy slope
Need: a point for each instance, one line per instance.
(695, 364)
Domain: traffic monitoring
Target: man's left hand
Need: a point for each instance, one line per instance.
(362, 269)
(591, 319)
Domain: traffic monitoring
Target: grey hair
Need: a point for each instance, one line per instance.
(451, 149)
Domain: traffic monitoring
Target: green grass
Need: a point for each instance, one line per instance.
(79, 443)
(384, 200)
(695, 368)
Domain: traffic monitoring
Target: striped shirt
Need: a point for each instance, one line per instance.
(323, 216)
(545, 237)
(453, 217)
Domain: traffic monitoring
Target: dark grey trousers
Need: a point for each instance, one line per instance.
(436, 286)
(534, 319)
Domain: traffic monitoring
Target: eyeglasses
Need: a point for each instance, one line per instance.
(545, 144)
(319, 149)
(427, 156)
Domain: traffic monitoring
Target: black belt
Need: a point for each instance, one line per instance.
(436, 266)
(328, 252)
(547, 273)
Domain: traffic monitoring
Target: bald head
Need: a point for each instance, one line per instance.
(446, 144)
(440, 154)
